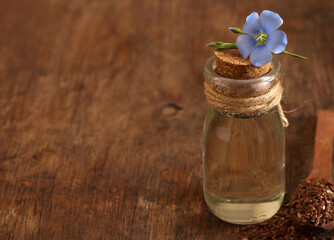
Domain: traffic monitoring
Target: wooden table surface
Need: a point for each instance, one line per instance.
(102, 109)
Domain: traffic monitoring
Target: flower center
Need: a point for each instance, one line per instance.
(261, 38)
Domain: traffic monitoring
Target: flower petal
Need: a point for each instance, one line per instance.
(252, 25)
(261, 55)
(270, 21)
(246, 44)
(277, 41)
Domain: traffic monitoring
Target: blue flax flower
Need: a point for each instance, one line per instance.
(260, 37)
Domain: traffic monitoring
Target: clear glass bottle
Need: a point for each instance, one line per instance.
(243, 155)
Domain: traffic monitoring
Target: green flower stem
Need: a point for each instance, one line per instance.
(220, 46)
(262, 38)
(293, 54)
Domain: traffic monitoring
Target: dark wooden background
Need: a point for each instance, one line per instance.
(102, 108)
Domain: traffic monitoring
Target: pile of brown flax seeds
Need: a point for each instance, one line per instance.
(313, 203)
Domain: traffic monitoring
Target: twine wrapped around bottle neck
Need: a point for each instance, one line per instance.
(249, 105)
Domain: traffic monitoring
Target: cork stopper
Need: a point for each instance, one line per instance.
(231, 64)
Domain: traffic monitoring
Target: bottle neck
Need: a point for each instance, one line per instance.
(241, 88)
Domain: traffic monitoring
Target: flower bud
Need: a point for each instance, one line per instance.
(235, 30)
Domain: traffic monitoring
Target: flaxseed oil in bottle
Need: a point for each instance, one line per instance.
(244, 165)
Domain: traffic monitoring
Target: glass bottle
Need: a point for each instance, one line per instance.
(243, 155)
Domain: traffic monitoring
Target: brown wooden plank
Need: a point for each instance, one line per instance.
(86, 151)
(323, 147)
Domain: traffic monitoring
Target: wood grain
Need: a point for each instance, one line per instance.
(323, 147)
(102, 109)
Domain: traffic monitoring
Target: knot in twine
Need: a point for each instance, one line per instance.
(250, 105)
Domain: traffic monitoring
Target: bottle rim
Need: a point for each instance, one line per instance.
(210, 74)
